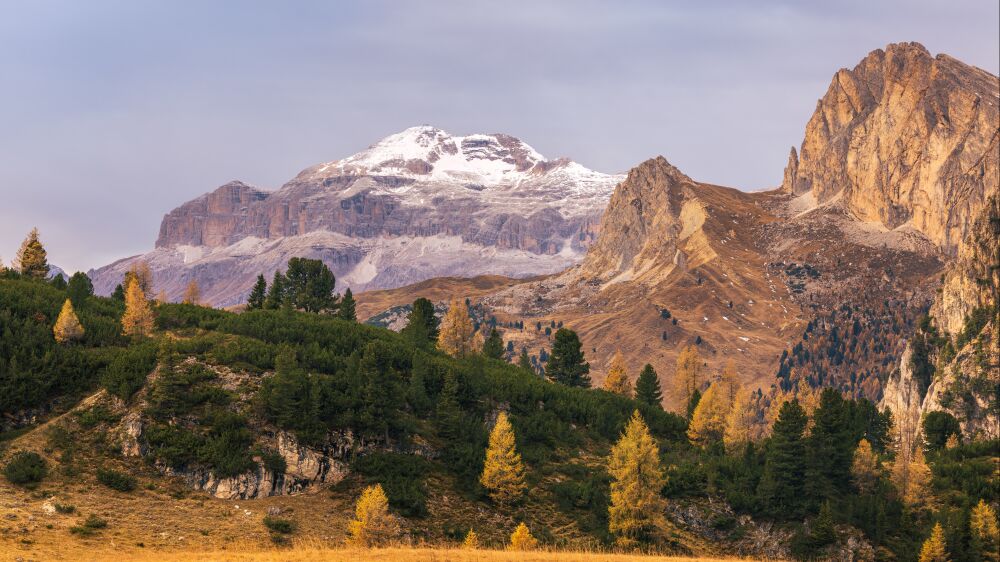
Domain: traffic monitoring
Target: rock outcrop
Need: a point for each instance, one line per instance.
(418, 204)
(904, 138)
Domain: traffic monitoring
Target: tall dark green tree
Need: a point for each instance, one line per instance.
(831, 448)
(782, 487)
(938, 427)
(79, 288)
(421, 326)
(493, 346)
(566, 364)
(59, 282)
(310, 285)
(383, 396)
(348, 307)
(276, 293)
(448, 414)
(693, 402)
(647, 387)
(258, 294)
(119, 293)
(524, 362)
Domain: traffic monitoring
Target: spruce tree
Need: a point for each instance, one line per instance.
(68, 327)
(421, 324)
(448, 414)
(258, 294)
(524, 362)
(119, 293)
(692, 403)
(348, 307)
(831, 448)
(79, 288)
(58, 281)
(503, 471)
(31, 258)
(493, 346)
(276, 293)
(635, 515)
(782, 487)
(566, 364)
(309, 286)
(647, 388)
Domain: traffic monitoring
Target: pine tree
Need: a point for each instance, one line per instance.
(635, 514)
(503, 471)
(119, 293)
(647, 388)
(372, 525)
(831, 447)
(79, 288)
(934, 549)
(192, 294)
(782, 486)
(309, 286)
(138, 318)
(421, 324)
(521, 539)
(688, 376)
(493, 346)
(865, 468)
(708, 422)
(984, 532)
(471, 541)
(741, 421)
(617, 380)
(448, 414)
(348, 307)
(692, 404)
(258, 294)
(524, 362)
(566, 364)
(31, 258)
(68, 327)
(58, 281)
(276, 293)
(456, 334)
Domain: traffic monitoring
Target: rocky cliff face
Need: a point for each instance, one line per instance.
(418, 204)
(904, 138)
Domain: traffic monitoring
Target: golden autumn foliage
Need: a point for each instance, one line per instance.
(865, 468)
(456, 334)
(68, 327)
(192, 294)
(636, 511)
(503, 471)
(372, 525)
(521, 539)
(138, 318)
(617, 380)
(708, 422)
(139, 271)
(471, 541)
(688, 375)
(985, 535)
(31, 259)
(934, 549)
(912, 477)
(741, 421)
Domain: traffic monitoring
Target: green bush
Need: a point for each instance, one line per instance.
(89, 526)
(25, 468)
(278, 525)
(402, 478)
(128, 370)
(65, 509)
(116, 480)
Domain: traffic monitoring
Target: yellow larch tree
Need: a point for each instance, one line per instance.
(471, 541)
(708, 422)
(521, 539)
(31, 259)
(192, 293)
(741, 421)
(139, 271)
(68, 327)
(984, 533)
(687, 376)
(934, 549)
(503, 471)
(617, 380)
(138, 318)
(372, 525)
(865, 468)
(636, 511)
(729, 382)
(912, 477)
(456, 335)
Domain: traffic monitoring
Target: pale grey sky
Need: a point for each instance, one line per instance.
(114, 112)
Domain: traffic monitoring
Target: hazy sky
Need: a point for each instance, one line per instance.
(112, 113)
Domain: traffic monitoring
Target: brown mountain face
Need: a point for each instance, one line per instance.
(818, 283)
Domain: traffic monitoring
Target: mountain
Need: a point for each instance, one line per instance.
(418, 204)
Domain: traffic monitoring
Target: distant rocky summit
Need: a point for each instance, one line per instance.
(418, 204)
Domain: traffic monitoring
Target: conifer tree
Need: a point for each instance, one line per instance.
(139, 271)
(521, 539)
(708, 422)
(192, 294)
(79, 288)
(309, 286)
(68, 327)
(138, 318)
(647, 388)
(58, 281)
(421, 324)
(31, 258)
(911, 476)
(984, 532)
(471, 541)
(617, 380)
(372, 525)
(456, 334)
(729, 383)
(258, 294)
(566, 364)
(448, 414)
(524, 362)
(503, 471)
(493, 346)
(276, 293)
(741, 421)
(119, 293)
(348, 307)
(934, 548)
(635, 514)
(865, 468)
(692, 404)
(782, 486)
(688, 376)
(831, 447)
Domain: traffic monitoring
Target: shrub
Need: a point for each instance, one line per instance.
(96, 415)
(116, 480)
(65, 508)
(274, 462)
(26, 468)
(128, 370)
(278, 525)
(90, 525)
